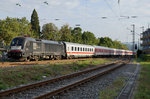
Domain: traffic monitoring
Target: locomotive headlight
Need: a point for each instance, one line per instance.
(20, 54)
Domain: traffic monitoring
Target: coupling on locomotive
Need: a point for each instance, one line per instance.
(27, 48)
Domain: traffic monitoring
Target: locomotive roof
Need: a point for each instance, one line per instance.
(44, 41)
(52, 42)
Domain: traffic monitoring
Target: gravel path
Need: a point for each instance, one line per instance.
(92, 89)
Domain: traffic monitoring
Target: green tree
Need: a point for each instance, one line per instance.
(35, 24)
(108, 42)
(13, 27)
(119, 45)
(49, 31)
(77, 35)
(65, 33)
(89, 38)
(105, 41)
(25, 27)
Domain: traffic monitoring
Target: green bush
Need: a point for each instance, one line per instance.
(146, 57)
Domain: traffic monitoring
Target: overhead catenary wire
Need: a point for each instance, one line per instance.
(110, 8)
(115, 14)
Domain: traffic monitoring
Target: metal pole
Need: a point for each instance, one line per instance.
(138, 44)
(133, 37)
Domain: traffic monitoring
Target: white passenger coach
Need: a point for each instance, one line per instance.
(74, 50)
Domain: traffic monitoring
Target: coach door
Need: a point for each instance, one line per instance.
(29, 48)
(43, 48)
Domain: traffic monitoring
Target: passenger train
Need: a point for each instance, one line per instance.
(27, 48)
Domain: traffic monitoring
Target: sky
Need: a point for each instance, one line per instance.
(104, 18)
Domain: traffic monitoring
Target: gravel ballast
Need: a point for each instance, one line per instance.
(88, 90)
(92, 89)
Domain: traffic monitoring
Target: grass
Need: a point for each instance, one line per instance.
(143, 88)
(112, 91)
(143, 84)
(11, 77)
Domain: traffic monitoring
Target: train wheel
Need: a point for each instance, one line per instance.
(36, 58)
(58, 57)
(27, 59)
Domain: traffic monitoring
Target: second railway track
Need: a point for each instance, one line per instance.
(55, 86)
(13, 64)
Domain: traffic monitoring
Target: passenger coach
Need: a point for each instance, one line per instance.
(75, 50)
(103, 51)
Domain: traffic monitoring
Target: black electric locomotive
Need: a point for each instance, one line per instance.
(27, 48)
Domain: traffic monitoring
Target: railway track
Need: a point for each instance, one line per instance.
(127, 90)
(52, 87)
(13, 64)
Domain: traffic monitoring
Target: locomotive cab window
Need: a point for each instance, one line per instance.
(17, 42)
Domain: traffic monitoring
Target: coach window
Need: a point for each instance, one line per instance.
(72, 48)
(75, 48)
(78, 48)
(83, 49)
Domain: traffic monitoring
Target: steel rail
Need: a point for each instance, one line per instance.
(70, 86)
(127, 91)
(12, 64)
(22, 88)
